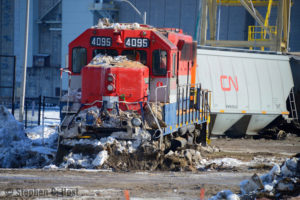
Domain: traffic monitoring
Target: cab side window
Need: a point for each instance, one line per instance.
(159, 62)
(79, 59)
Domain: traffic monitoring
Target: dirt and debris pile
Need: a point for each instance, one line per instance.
(280, 182)
(101, 60)
(121, 155)
(24, 148)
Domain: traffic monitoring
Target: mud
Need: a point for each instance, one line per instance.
(160, 184)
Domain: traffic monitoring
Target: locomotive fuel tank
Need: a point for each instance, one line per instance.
(249, 89)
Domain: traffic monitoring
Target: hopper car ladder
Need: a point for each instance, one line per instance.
(293, 108)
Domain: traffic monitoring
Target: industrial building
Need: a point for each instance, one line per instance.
(54, 23)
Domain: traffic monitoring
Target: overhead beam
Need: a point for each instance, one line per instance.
(280, 13)
(286, 24)
(238, 3)
(203, 35)
(49, 10)
(236, 43)
(212, 7)
(256, 15)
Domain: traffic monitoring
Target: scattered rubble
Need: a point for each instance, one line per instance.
(278, 183)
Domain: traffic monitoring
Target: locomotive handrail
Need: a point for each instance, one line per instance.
(101, 101)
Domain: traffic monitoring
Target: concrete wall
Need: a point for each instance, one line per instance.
(6, 46)
(162, 13)
(295, 27)
(76, 18)
(41, 41)
(43, 81)
(50, 32)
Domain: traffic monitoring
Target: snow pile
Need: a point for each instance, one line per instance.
(225, 194)
(39, 135)
(19, 150)
(279, 182)
(100, 158)
(51, 166)
(93, 152)
(221, 163)
(105, 24)
(76, 161)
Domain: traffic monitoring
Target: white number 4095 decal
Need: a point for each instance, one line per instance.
(100, 41)
(137, 42)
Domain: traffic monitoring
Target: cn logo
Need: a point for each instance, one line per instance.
(159, 83)
(228, 81)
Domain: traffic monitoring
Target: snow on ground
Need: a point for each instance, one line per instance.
(51, 116)
(275, 183)
(20, 148)
(40, 134)
(222, 162)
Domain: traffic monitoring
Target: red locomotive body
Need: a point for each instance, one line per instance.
(114, 84)
(166, 52)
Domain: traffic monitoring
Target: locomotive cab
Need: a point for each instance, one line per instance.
(166, 52)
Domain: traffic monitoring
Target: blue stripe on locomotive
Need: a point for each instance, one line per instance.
(175, 118)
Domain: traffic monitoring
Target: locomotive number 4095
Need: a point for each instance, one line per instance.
(100, 41)
(137, 42)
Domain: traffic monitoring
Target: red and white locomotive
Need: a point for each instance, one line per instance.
(158, 80)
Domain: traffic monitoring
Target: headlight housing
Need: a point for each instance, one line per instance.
(110, 88)
(110, 78)
(136, 121)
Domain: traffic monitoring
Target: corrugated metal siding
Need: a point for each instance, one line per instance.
(183, 14)
(6, 45)
(295, 27)
(163, 13)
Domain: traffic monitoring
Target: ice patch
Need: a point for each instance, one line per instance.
(76, 161)
(51, 166)
(225, 194)
(222, 162)
(100, 159)
(36, 135)
(72, 142)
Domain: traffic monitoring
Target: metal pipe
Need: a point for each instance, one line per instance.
(144, 17)
(23, 87)
(13, 89)
(43, 122)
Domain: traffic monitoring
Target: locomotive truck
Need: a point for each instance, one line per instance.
(158, 80)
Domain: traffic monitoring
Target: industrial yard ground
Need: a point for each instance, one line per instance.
(102, 184)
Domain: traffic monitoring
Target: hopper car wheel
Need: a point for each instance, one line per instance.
(202, 135)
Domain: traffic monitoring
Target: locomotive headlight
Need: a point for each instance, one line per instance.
(136, 121)
(110, 88)
(110, 77)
